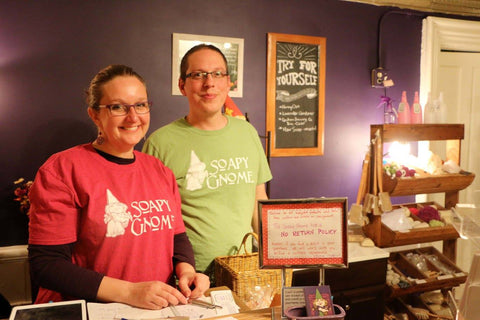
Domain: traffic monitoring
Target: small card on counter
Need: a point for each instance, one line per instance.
(315, 299)
(318, 301)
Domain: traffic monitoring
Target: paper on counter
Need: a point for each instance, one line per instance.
(225, 299)
(112, 311)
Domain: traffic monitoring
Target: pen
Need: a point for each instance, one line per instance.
(140, 319)
(205, 304)
(168, 318)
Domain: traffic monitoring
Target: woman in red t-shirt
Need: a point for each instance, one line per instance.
(105, 219)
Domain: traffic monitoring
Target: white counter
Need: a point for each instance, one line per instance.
(358, 253)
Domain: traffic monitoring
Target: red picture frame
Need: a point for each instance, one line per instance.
(303, 233)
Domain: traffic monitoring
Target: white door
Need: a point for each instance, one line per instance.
(458, 77)
(459, 80)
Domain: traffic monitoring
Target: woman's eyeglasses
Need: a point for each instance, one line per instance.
(118, 109)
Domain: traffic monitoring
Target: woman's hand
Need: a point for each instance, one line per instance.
(154, 295)
(199, 281)
(188, 278)
(147, 295)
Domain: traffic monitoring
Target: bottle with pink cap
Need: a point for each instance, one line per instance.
(403, 109)
(416, 111)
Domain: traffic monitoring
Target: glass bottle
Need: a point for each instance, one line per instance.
(403, 109)
(442, 109)
(429, 114)
(416, 111)
(389, 114)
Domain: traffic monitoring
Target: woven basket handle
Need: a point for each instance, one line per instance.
(244, 241)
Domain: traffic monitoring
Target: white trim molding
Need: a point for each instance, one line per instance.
(460, 7)
(443, 34)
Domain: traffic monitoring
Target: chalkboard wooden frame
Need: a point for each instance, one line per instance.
(298, 128)
(303, 233)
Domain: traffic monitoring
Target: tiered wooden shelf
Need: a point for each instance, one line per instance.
(423, 281)
(450, 184)
(426, 183)
(385, 237)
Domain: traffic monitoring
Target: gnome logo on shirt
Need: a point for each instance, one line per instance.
(116, 216)
(196, 173)
(221, 172)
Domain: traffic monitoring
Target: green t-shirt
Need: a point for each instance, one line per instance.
(217, 173)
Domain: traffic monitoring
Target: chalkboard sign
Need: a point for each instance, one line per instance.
(303, 232)
(295, 94)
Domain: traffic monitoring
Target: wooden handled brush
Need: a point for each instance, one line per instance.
(384, 197)
(356, 210)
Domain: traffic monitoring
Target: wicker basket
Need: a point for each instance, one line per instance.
(241, 272)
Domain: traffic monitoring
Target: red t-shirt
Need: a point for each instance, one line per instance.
(123, 218)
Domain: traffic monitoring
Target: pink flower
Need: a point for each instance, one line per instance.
(428, 213)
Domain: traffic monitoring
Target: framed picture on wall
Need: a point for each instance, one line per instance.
(232, 48)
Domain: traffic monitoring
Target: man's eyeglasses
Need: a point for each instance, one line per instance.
(203, 75)
(118, 109)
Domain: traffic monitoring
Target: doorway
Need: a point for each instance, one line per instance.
(450, 63)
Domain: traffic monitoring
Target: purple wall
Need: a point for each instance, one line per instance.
(49, 50)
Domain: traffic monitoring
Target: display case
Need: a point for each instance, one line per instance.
(466, 219)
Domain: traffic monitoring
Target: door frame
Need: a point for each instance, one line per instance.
(443, 34)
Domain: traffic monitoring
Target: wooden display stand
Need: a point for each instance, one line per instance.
(426, 282)
(451, 184)
(422, 183)
(385, 237)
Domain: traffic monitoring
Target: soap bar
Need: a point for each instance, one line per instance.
(367, 242)
(355, 238)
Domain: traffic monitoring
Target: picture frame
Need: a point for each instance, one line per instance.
(295, 94)
(302, 233)
(232, 48)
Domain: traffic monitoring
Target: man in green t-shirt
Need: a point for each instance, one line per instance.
(218, 160)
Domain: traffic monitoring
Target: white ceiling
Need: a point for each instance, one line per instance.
(459, 7)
